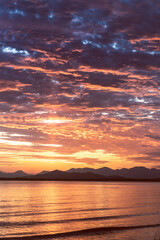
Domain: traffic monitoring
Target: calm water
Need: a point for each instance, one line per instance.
(109, 210)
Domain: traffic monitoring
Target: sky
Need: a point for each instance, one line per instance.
(79, 84)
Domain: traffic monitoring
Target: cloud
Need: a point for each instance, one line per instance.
(154, 137)
(147, 157)
(92, 66)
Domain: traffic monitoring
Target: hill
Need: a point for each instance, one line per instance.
(89, 174)
(131, 173)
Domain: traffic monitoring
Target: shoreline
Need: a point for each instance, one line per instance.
(81, 180)
(83, 232)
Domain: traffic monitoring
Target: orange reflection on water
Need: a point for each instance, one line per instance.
(55, 207)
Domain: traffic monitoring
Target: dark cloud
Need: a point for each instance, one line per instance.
(154, 137)
(147, 157)
(144, 159)
(154, 154)
(103, 38)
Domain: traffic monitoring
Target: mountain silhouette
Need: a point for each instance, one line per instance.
(62, 175)
(89, 174)
(132, 173)
(43, 172)
(16, 174)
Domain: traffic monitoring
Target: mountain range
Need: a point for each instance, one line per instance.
(134, 173)
(101, 174)
(13, 175)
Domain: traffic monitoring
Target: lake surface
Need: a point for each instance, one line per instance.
(105, 210)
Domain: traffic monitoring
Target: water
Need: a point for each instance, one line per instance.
(79, 210)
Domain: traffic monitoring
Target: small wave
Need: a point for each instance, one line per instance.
(28, 213)
(33, 223)
(101, 230)
(7, 214)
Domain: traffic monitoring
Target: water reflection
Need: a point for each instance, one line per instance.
(35, 208)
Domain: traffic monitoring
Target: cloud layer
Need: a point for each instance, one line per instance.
(79, 83)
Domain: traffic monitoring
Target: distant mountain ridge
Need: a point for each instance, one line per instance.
(43, 172)
(62, 175)
(104, 173)
(132, 173)
(19, 173)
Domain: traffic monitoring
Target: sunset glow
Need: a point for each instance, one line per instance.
(79, 84)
